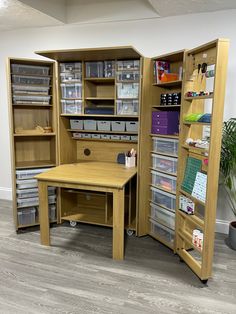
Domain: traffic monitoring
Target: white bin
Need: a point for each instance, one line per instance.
(162, 198)
(131, 126)
(90, 125)
(104, 125)
(164, 163)
(30, 69)
(127, 107)
(163, 181)
(118, 126)
(29, 173)
(71, 90)
(162, 232)
(34, 80)
(164, 216)
(165, 146)
(26, 216)
(127, 90)
(76, 124)
(26, 184)
(71, 106)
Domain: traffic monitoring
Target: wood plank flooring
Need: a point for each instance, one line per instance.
(77, 275)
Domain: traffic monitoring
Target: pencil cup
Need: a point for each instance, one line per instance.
(130, 161)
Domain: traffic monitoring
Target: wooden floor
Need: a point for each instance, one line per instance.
(77, 275)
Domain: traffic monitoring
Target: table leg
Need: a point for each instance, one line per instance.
(43, 213)
(118, 224)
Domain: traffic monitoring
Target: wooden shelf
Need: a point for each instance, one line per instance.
(32, 105)
(198, 97)
(165, 172)
(196, 123)
(176, 83)
(166, 243)
(191, 197)
(194, 219)
(188, 238)
(100, 79)
(99, 116)
(165, 136)
(103, 140)
(167, 106)
(99, 98)
(34, 224)
(30, 135)
(34, 75)
(102, 132)
(196, 150)
(35, 164)
(164, 154)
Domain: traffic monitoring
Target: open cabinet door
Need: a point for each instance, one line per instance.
(204, 81)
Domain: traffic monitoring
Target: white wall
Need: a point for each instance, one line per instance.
(151, 37)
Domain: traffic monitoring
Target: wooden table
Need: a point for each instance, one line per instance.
(91, 176)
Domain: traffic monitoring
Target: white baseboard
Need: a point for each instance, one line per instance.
(5, 193)
(222, 226)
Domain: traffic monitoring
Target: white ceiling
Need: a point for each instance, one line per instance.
(16, 14)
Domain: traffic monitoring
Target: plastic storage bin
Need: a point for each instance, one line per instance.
(127, 107)
(34, 80)
(109, 68)
(52, 213)
(163, 216)
(27, 193)
(26, 184)
(127, 76)
(33, 201)
(30, 89)
(71, 90)
(118, 126)
(90, 125)
(29, 173)
(165, 146)
(164, 181)
(162, 198)
(115, 137)
(164, 163)
(104, 125)
(125, 137)
(70, 66)
(127, 90)
(105, 136)
(134, 137)
(68, 77)
(128, 65)
(26, 216)
(76, 124)
(162, 232)
(96, 136)
(131, 126)
(23, 99)
(94, 69)
(86, 135)
(71, 106)
(29, 69)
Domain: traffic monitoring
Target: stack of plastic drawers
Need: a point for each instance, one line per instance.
(163, 188)
(128, 77)
(71, 87)
(28, 199)
(31, 84)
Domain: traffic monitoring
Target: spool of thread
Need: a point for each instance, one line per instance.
(210, 73)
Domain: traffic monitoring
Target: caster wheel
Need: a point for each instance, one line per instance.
(181, 260)
(129, 232)
(73, 223)
(204, 281)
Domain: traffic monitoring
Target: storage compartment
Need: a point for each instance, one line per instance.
(22, 99)
(164, 216)
(164, 181)
(134, 137)
(33, 201)
(77, 135)
(128, 65)
(71, 67)
(118, 126)
(26, 216)
(105, 136)
(165, 146)
(29, 173)
(96, 136)
(127, 107)
(161, 231)
(115, 137)
(31, 80)
(127, 90)
(71, 90)
(26, 184)
(127, 76)
(104, 125)
(109, 68)
(163, 163)
(94, 69)
(29, 193)
(71, 106)
(30, 69)
(76, 124)
(29, 89)
(90, 125)
(71, 77)
(125, 137)
(162, 198)
(131, 126)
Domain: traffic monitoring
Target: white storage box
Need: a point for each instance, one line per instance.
(162, 215)
(34, 80)
(128, 65)
(29, 69)
(96, 135)
(164, 163)
(26, 184)
(71, 67)
(165, 145)
(33, 201)
(164, 199)
(131, 126)
(125, 137)
(90, 125)
(71, 106)
(109, 68)
(29, 173)
(30, 89)
(105, 136)
(127, 107)
(94, 69)
(26, 216)
(127, 76)
(77, 135)
(52, 213)
(127, 90)
(134, 137)
(86, 135)
(118, 126)
(71, 90)
(22, 99)
(162, 232)
(164, 181)
(76, 124)
(28, 193)
(71, 77)
(115, 137)
(104, 125)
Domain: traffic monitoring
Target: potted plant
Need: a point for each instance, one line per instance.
(228, 170)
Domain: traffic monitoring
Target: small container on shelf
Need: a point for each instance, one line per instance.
(163, 198)
(94, 69)
(104, 125)
(71, 106)
(163, 216)
(29, 173)
(115, 137)
(31, 80)
(127, 107)
(90, 125)
(127, 76)
(71, 67)
(165, 146)
(76, 124)
(163, 181)
(30, 89)
(109, 68)
(118, 126)
(98, 136)
(52, 212)
(68, 77)
(131, 126)
(128, 65)
(164, 163)
(77, 135)
(134, 137)
(26, 216)
(86, 135)
(30, 69)
(128, 90)
(25, 193)
(162, 232)
(30, 99)
(105, 136)
(71, 90)
(125, 137)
